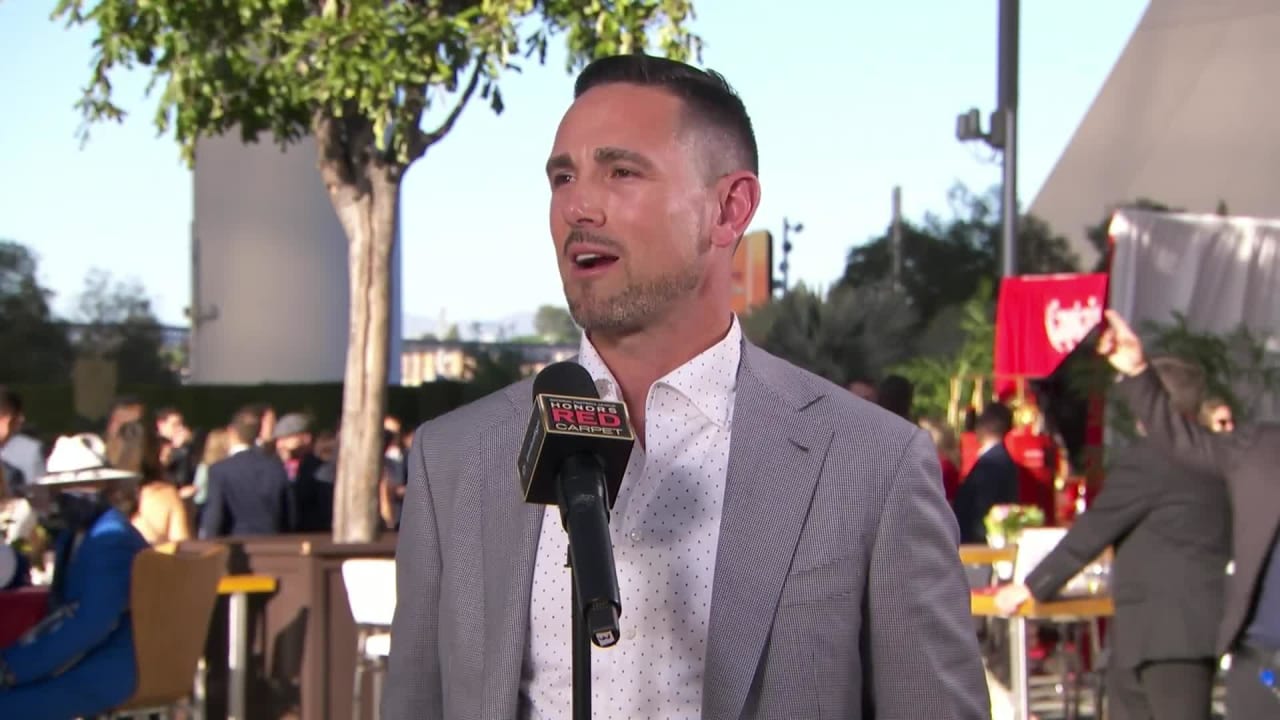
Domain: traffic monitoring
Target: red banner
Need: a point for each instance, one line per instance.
(1042, 318)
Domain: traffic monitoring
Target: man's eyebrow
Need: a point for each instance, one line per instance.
(615, 154)
(603, 155)
(559, 162)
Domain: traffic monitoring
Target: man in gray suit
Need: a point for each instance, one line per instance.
(783, 548)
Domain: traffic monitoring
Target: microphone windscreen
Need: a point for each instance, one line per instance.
(565, 378)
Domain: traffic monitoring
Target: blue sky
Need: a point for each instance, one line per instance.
(848, 99)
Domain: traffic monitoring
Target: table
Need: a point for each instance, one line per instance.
(983, 603)
(20, 610)
(974, 554)
(239, 588)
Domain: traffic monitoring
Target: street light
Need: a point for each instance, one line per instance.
(784, 267)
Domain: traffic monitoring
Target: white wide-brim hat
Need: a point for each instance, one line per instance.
(79, 460)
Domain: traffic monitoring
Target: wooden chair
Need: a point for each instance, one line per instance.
(171, 599)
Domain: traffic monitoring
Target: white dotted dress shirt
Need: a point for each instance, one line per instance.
(665, 526)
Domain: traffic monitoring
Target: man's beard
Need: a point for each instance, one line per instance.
(633, 308)
(636, 305)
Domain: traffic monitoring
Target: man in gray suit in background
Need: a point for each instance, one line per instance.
(783, 548)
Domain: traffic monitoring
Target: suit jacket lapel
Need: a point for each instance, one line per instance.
(776, 455)
(510, 545)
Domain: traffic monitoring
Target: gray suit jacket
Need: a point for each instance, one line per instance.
(838, 590)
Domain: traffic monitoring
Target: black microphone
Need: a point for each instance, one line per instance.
(574, 455)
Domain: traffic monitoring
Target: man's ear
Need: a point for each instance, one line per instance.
(738, 197)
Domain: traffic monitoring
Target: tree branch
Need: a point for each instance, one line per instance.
(422, 140)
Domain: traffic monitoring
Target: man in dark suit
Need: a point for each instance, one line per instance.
(1249, 459)
(1170, 525)
(249, 492)
(993, 480)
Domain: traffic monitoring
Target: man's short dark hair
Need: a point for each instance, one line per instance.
(1184, 381)
(708, 98)
(124, 401)
(246, 424)
(996, 420)
(166, 412)
(10, 402)
(896, 394)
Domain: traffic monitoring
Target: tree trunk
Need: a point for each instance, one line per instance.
(369, 216)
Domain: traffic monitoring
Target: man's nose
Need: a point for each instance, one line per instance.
(583, 207)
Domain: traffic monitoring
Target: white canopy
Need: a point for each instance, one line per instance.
(1218, 271)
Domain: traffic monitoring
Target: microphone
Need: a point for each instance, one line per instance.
(574, 455)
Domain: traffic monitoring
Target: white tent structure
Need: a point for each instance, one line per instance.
(1220, 272)
(1186, 118)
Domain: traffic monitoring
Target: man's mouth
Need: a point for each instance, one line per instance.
(592, 260)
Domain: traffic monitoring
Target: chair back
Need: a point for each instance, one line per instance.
(172, 599)
(371, 589)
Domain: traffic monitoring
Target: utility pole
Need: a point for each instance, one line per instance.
(1003, 132)
(895, 235)
(1007, 104)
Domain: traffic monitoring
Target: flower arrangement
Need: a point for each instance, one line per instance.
(1004, 522)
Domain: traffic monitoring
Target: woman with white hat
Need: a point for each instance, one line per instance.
(79, 660)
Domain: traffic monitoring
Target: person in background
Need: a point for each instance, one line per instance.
(312, 494)
(267, 433)
(161, 516)
(944, 438)
(395, 475)
(22, 454)
(249, 491)
(19, 535)
(79, 660)
(217, 446)
(993, 479)
(864, 388)
(125, 408)
(1247, 458)
(1216, 415)
(326, 446)
(1170, 526)
(176, 448)
(896, 394)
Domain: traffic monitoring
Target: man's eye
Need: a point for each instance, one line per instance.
(622, 172)
(559, 179)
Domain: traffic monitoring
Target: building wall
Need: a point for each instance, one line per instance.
(269, 268)
(424, 361)
(753, 272)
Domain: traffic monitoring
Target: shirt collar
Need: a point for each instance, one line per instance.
(708, 380)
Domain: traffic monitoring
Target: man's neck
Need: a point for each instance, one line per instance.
(637, 361)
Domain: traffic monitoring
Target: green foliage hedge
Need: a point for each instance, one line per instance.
(50, 408)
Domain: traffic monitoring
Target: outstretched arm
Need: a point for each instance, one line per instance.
(1142, 392)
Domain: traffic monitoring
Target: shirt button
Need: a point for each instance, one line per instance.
(635, 536)
(630, 632)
